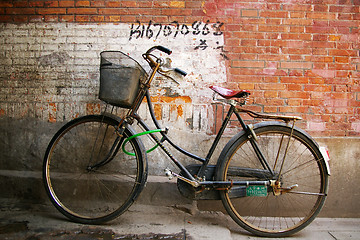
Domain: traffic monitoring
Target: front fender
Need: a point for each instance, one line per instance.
(138, 140)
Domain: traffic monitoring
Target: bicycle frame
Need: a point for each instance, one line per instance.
(198, 179)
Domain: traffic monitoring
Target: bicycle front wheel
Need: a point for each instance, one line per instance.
(87, 176)
(301, 177)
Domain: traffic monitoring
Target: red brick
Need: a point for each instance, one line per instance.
(293, 109)
(270, 109)
(6, 4)
(114, 4)
(271, 94)
(248, 42)
(294, 87)
(51, 4)
(294, 102)
(65, 3)
(250, 13)
(321, 15)
(294, 80)
(66, 18)
(344, 9)
(320, 29)
(317, 88)
(98, 3)
(82, 18)
(6, 18)
(298, 51)
(20, 11)
(20, 3)
(272, 86)
(51, 18)
(248, 64)
(297, 21)
(114, 18)
(129, 19)
(145, 4)
(36, 18)
(321, 59)
(292, 94)
(296, 65)
(82, 3)
(44, 11)
(113, 11)
(177, 4)
(340, 52)
(321, 44)
(20, 18)
(281, 28)
(304, 36)
(178, 12)
(297, 15)
(97, 18)
(298, 7)
(344, 16)
(297, 29)
(36, 3)
(274, 14)
(346, 24)
(82, 11)
(321, 8)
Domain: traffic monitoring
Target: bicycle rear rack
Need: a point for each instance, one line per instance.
(268, 116)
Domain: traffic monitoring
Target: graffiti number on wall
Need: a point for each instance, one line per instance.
(173, 29)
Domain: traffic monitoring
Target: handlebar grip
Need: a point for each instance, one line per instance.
(164, 49)
(180, 71)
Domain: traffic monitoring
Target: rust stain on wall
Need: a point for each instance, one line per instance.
(52, 112)
(93, 108)
(165, 99)
(158, 111)
(180, 111)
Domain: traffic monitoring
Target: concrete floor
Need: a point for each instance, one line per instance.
(151, 222)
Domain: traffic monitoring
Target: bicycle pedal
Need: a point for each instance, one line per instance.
(169, 173)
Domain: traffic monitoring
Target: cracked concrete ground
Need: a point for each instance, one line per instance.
(151, 222)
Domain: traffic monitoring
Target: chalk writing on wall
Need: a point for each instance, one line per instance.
(174, 29)
(202, 32)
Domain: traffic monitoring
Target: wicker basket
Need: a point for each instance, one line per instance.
(120, 78)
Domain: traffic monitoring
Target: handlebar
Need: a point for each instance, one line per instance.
(180, 71)
(157, 61)
(160, 48)
(164, 49)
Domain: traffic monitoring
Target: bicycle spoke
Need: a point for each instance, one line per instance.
(283, 211)
(81, 181)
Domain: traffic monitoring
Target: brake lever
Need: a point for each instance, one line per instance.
(163, 73)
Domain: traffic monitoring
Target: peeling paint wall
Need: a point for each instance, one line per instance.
(57, 73)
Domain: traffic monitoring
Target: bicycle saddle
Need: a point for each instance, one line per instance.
(227, 93)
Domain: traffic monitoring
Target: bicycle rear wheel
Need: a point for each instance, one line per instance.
(87, 176)
(260, 210)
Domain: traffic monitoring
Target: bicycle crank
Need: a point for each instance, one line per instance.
(170, 174)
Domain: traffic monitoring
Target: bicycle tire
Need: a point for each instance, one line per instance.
(80, 183)
(271, 215)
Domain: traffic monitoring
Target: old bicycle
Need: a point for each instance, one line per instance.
(271, 177)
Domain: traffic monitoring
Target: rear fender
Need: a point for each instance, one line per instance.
(242, 134)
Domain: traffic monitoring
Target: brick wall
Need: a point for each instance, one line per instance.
(296, 57)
